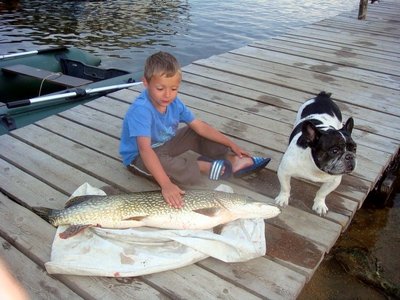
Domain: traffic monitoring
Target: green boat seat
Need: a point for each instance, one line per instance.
(53, 77)
(79, 69)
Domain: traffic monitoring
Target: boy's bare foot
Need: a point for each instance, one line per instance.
(239, 163)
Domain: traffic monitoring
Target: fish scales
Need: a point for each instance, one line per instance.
(202, 210)
(120, 207)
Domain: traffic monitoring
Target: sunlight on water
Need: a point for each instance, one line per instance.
(124, 32)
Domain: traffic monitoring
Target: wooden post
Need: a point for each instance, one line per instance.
(362, 10)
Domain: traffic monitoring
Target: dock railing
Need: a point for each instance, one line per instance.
(362, 10)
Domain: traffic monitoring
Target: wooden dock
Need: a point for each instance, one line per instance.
(251, 94)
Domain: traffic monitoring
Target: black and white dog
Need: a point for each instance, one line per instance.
(320, 149)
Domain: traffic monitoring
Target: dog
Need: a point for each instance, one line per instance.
(320, 149)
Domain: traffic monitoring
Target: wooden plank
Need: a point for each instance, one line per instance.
(337, 54)
(339, 49)
(346, 39)
(103, 168)
(384, 131)
(279, 97)
(252, 274)
(94, 120)
(381, 28)
(33, 279)
(192, 282)
(14, 184)
(45, 167)
(352, 32)
(363, 128)
(293, 250)
(302, 223)
(337, 64)
(274, 98)
(82, 135)
(291, 218)
(35, 241)
(308, 81)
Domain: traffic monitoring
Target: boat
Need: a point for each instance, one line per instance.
(39, 83)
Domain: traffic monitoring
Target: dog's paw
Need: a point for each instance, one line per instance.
(320, 208)
(282, 200)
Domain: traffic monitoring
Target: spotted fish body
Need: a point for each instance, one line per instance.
(203, 209)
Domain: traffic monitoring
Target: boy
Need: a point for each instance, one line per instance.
(151, 141)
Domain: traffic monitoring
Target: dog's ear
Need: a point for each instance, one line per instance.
(348, 126)
(310, 134)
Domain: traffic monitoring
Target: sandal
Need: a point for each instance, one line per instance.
(258, 164)
(217, 166)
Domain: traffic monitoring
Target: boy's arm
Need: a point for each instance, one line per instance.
(209, 132)
(170, 191)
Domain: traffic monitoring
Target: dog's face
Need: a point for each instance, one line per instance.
(333, 151)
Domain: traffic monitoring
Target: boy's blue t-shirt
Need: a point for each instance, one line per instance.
(143, 119)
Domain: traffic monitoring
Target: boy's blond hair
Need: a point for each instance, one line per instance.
(161, 64)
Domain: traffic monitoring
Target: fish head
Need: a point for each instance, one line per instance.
(253, 209)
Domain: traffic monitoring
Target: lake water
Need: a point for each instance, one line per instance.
(123, 33)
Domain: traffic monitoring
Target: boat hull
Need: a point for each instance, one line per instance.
(13, 89)
(16, 87)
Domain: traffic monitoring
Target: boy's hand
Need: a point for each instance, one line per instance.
(172, 195)
(239, 151)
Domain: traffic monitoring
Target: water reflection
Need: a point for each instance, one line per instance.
(126, 32)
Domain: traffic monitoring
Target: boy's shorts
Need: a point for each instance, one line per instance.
(181, 170)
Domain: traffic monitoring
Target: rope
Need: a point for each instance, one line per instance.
(58, 74)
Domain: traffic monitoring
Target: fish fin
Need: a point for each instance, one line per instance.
(218, 229)
(208, 211)
(80, 199)
(71, 231)
(137, 218)
(42, 212)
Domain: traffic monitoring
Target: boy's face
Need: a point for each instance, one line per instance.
(162, 90)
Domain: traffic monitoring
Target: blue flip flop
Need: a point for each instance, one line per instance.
(216, 168)
(258, 164)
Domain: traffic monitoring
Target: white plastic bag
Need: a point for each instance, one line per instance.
(139, 251)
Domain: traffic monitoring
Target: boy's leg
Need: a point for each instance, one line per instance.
(180, 169)
(186, 139)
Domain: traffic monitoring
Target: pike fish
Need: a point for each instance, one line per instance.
(203, 209)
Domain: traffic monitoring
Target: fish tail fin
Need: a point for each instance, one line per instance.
(43, 212)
